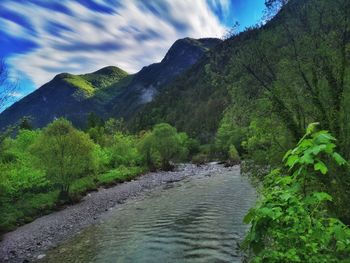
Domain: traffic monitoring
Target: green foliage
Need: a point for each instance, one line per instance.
(81, 84)
(94, 121)
(291, 222)
(35, 163)
(120, 175)
(145, 146)
(200, 159)
(105, 77)
(17, 172)
(64, 153)
(229, 135)
(263, 144)
(233, 155)
(123, 150)
(25, 124)
(113, 126)
(163, 145)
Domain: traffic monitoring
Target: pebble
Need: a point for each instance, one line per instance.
(50, 230)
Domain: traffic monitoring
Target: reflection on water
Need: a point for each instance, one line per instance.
(197, 220)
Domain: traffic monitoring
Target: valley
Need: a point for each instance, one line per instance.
(223, 150)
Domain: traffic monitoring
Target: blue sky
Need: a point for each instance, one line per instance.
(41, 38)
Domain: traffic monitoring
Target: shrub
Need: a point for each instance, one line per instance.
(64, 153)
(233, 155)
(200, 159)
(291, 223)
(163, 144)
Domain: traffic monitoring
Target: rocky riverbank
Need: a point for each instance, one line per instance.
(29, 242)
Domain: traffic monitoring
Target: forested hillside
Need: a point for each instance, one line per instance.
(67, 95)
(285, 74)
(260, 89)
(275, 96)
(108, 92)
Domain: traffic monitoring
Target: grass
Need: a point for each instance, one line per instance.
(26, 209)
(31, 206)
(120, 175)
(81, 84)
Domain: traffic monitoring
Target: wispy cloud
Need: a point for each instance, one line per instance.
(83, 36)
(16, 95)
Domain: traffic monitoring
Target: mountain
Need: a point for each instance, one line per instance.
(147, 83)
(67, 95)
(195, 101)
(285, 74)
(108, 92)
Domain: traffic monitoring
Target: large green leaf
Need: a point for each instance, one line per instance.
(320, 166)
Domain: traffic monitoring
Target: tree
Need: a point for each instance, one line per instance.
(64, 153)
(115, 125)
(232, 31)
(7, 88)
(25, 123)
(123, 150)
(146, 149)
(165, 144)
(291, 222)
(273, 7)
(93, 120)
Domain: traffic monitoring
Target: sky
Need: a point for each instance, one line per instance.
(42, 38)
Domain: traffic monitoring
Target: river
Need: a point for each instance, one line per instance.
(198, 219)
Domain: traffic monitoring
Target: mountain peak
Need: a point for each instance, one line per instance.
(190, 45)
(109, 91)
(109, 70)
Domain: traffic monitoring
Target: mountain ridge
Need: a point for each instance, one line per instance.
(108, 92)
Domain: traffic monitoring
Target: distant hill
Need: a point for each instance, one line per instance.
(147, 83)
(292, 71)
(108, 92)
(66, 95)
(194, 102)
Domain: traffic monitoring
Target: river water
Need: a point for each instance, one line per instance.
(196, 220)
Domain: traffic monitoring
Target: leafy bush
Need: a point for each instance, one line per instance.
(291, 222)
(64, 153)
(124, 150)
(163, 145)
(233, 155)
(200, 159)
(120, 175)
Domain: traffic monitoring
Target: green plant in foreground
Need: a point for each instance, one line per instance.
(65, 154)
(290, 222)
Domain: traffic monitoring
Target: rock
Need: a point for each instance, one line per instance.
(41, 256)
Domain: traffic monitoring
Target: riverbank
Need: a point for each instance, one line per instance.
(30, 241)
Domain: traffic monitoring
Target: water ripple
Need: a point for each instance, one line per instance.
(199, 220)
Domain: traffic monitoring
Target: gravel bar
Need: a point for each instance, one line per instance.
(29, 242)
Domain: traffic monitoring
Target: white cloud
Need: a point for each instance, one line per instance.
(16, 95)
(131, 37)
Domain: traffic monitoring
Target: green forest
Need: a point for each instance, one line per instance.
(274, 98)
(44, 169)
